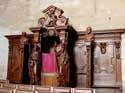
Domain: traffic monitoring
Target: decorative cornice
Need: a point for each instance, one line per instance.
(105, 31)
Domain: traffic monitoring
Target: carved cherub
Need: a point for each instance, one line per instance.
(103, 47)
(61, 20)
(42, 21)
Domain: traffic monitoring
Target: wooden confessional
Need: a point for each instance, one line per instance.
(95, 55)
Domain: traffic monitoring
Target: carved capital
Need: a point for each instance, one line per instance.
(117, 44)
(88, 47)
(36, 37)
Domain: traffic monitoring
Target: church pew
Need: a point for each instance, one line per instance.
(6, 90)
(61, 90)
(24, 91)
(9, 85)
(4, 81)
(83, 90)
(25, 87)
(42, 89)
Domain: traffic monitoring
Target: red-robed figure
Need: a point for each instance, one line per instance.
(49, 64)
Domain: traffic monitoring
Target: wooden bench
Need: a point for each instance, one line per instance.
(6, 90)
(61, 90)
(24, 91)
(9, 85)
(4, 81)
(83, 90)
(24, 87)
(43, 89)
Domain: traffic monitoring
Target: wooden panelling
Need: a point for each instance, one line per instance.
(107, 65)
(97, 63)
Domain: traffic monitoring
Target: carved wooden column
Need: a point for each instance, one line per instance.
(118, 62)
(10, 57)
(88, 79)
(83, 58)
(89, 38)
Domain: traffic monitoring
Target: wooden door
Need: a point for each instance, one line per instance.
(15, 61)
(81, 64)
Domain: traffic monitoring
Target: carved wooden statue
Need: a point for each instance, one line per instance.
(34, 65)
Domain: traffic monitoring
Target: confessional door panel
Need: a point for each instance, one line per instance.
(107, 66)
(81, 64)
